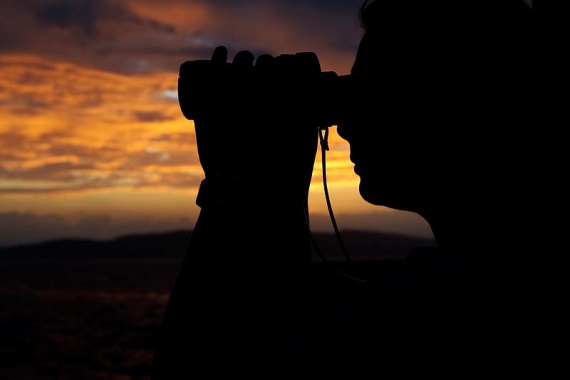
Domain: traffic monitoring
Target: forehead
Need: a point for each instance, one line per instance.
(369, 54)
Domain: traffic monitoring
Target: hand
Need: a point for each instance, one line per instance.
(253, 117)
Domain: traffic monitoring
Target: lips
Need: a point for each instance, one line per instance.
(355, 161)
(358, 169)
(353, 158)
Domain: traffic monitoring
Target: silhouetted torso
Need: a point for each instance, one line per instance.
(443, 121)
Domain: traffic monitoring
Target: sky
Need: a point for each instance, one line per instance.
(92, 140)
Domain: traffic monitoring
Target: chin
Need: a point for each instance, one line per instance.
(376, 194)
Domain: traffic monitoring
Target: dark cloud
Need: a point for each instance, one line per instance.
(56, 171)
(26, 105)
(151, 116)
(65, 14)
(87, 16)
(116, 35)
(332, 24)
(75, 30)
(330, 5)
(175, 137)
(112, 35)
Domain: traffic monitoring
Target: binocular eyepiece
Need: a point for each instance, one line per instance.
(207, 88)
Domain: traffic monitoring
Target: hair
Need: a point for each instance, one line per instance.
(368, 14)
(374, 13)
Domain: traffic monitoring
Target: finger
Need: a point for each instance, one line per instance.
(243, 58)
(285, 59)
(308, 62)
(220, 54)
(264, 60)
(285, 64)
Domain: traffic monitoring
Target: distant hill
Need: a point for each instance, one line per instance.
(363, 245)
(368, 245)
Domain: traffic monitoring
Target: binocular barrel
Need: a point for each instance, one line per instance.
(206, 88)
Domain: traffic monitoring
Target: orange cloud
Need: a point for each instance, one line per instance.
(71, 128)
(91, 132)
(78, 129)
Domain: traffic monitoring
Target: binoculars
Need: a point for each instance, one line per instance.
(208, 88)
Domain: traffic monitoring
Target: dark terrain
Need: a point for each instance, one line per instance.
(85, 309)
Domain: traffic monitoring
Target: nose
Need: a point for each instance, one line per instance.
(341, 103)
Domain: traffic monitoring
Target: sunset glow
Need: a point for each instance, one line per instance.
(92, 139)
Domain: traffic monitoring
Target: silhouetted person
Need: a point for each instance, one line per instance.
(443, 120)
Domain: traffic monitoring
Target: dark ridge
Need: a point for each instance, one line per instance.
(360, 245)
(166, 244)
(368, 245)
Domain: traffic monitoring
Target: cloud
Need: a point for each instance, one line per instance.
(61, 166)
(71, 128)
(86, 17)
(79, 31)
(144, 36)
(139, 36)
(151, 116)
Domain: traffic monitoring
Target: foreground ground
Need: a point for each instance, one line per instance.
(82, 320)
(66, 316)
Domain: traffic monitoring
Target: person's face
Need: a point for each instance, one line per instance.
(387, 143)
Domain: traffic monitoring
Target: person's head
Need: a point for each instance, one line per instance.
(434, 105)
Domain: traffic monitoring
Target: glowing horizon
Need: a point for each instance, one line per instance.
(93, 141)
